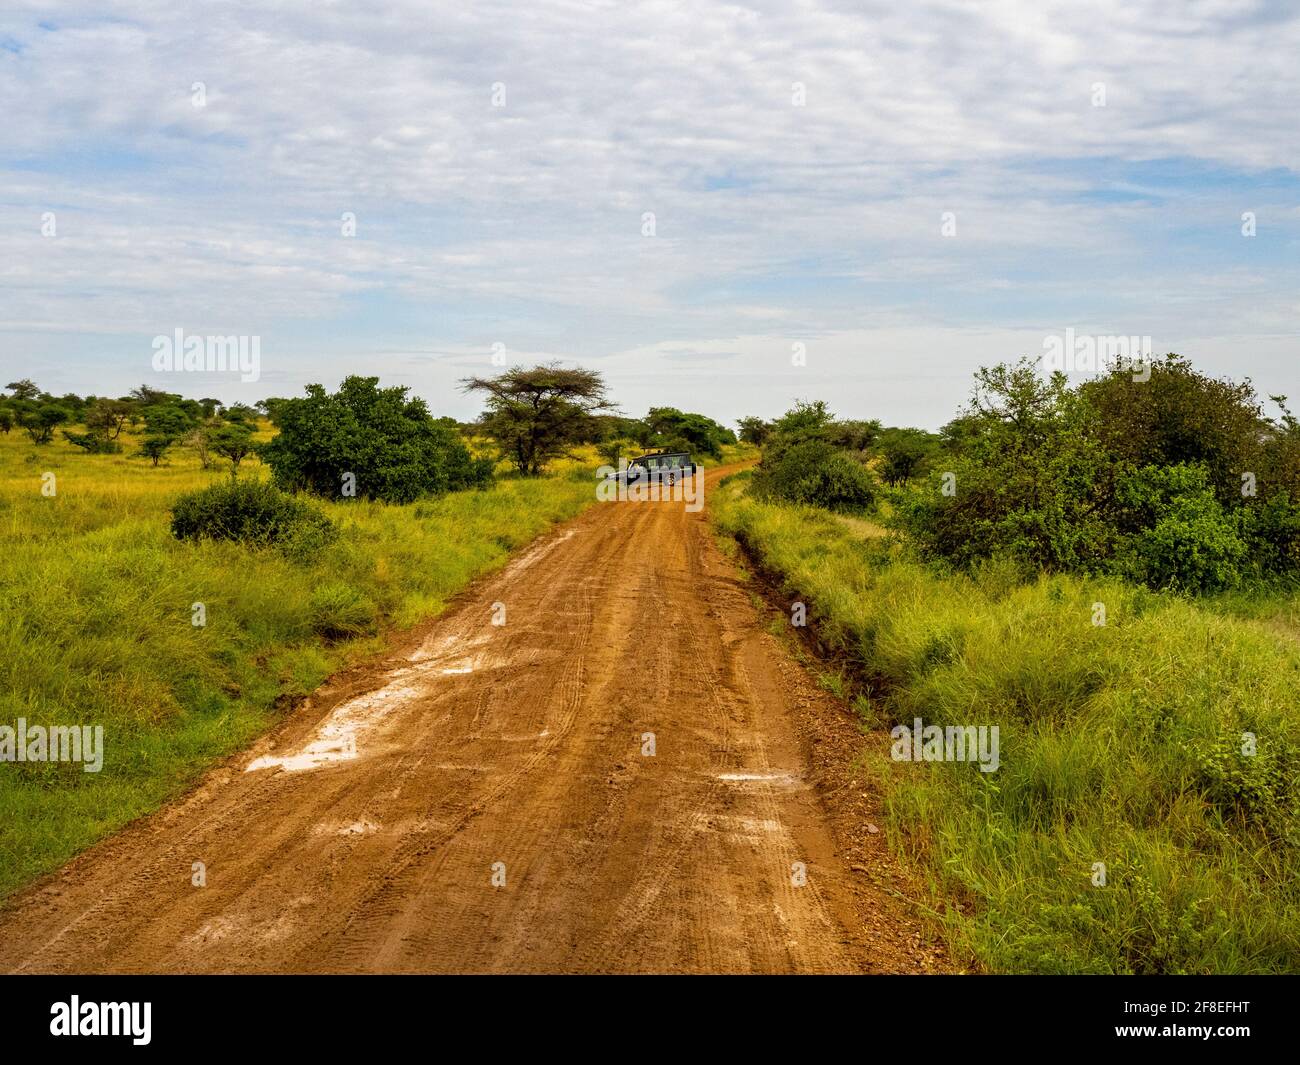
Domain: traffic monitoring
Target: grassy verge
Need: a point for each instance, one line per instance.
(96, 603)
(732, 453)
(1120, 744)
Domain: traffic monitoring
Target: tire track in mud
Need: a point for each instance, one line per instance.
(361, 835)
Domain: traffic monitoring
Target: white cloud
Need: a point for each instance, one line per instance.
(523, 223)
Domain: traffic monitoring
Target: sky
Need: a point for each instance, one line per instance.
(723, 207)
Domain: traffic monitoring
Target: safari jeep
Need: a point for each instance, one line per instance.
(665, 467)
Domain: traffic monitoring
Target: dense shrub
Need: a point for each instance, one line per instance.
(1185, 539)
(253, 512)
(1177, 416)
(818, 474)
(1040, 508)
(1144, 474)
(1197, 551)
(305, 541)
(1272, 529)
(379, 441)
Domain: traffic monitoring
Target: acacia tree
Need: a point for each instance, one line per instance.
(903, 454)
(40, 420)
(538, 414)
(200, 439)
(24, 389)
(104, 420)
(233, 443)
(154, 448)
(107, 417)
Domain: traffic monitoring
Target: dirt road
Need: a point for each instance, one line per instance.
(485, 800)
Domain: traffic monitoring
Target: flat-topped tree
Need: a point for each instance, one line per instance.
(24, 389)
(539, 414)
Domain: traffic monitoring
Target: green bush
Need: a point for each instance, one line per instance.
(1028, 508)
(1198, 553)
(1272, 529)
(818, 474)
(1185, 540)
(377, 440)
(339, 611)
(253, 512)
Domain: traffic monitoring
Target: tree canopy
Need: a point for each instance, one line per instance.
(373, 442)
(538, 414)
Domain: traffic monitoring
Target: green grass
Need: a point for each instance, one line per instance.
(732, 453)
(95, 622)
(1120, 744)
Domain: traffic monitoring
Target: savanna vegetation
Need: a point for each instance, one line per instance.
(298, 532)
(1105, 572)
(182, 510)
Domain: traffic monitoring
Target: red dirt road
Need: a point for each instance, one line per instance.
(365, 834)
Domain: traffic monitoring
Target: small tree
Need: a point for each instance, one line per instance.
(903, 454)
(167, 419)
(104, 419)
(24, 389)
(696, 433)
(233, 443)
(93, 443)
(6, 421)
(241, 414)
(155, 447)
(41, 421)
(754, 431)
(536, 415)
(146, 396)
(200, 439)
(107, 417)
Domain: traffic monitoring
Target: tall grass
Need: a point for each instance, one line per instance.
(1121, 744)
(96, 605)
